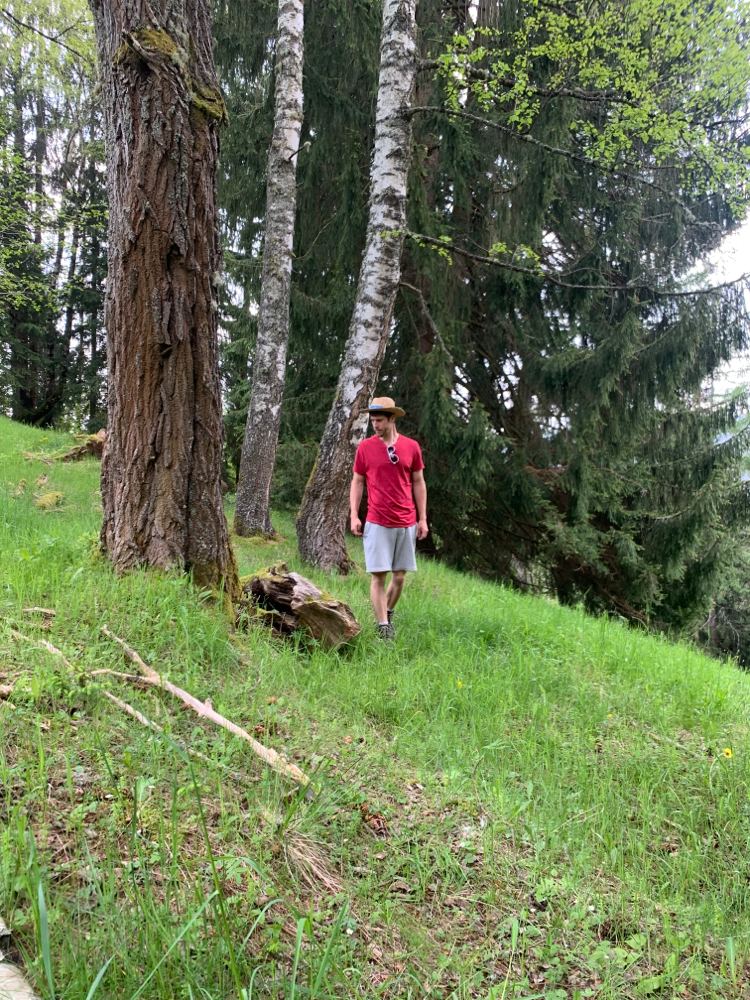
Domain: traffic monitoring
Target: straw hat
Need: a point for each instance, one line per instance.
(384, 404)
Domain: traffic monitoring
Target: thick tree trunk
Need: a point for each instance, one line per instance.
(252, 514)
(321, 522)
(161, 471)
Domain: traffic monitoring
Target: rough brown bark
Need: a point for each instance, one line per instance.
(252, 511)
(161, 471)
(293, 602)
(321, 521)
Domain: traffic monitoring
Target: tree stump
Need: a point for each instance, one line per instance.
(291, 603)
(92, 444)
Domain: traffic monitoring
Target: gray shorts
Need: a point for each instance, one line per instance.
(388, 549)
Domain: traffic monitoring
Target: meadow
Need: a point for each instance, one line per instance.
(512, 800)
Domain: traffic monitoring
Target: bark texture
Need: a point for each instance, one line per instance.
(290, 602)
(161, 470)
(321, 521)
(252, 513)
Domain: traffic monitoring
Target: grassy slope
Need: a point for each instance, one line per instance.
(564, 817)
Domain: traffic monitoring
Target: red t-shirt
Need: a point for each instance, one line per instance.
(390, 501)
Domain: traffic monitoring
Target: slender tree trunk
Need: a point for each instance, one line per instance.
(161, 471)
(69, 307)
(18, 359)
(252, 513)
(321, 522)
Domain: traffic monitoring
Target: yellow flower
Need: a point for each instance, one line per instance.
(727, 752)
(460, 684)
(609, 716)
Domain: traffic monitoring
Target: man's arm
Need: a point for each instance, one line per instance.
(355, 498)
(420, 498)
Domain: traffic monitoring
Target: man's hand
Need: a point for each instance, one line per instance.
(423, 529)
(355, 499)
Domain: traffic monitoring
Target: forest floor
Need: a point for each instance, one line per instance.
(512, 800)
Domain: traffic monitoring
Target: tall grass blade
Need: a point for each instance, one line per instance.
(326, 960)
(44, 938)
(100, 976)
(172, 946)
(297, 952)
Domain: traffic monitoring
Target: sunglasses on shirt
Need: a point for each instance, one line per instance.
(392, 453)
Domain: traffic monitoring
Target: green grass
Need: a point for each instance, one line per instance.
(563, 814)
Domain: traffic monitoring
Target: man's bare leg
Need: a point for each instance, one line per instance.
(395, 588)
(377, 596)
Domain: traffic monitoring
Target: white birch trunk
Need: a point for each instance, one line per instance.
(252, 514)
(321, 521)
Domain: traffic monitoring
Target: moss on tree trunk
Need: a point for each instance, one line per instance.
(161, 471)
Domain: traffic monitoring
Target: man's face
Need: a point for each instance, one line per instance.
(380, 424)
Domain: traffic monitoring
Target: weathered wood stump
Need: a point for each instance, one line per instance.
(91, 444)
(290, 603)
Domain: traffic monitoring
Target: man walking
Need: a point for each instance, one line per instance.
(391, 465)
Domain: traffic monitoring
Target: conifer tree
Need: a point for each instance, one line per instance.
(50, 201)
(568, 443)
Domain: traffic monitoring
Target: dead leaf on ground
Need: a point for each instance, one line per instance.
(375, 822)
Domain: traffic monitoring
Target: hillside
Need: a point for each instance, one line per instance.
(513, 800)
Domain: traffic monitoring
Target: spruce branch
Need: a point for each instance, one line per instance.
(428, 316)
(16, 22)
(611, 169)
(628, 286)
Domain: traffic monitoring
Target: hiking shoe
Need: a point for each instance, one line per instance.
(386, 632)
(391, 614)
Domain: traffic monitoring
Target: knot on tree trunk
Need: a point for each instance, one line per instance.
(289, 603)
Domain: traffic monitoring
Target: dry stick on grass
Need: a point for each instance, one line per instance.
(47, 612)
(145, 721)
(205, 711)
(47, 645)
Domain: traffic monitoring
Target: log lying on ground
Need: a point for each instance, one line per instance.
(93, 444)
(291, 603)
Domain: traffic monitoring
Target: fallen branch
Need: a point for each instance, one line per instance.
(31, 456)
(206, 711)
(13, 985)
(145, 721)
(47, 645)
(47, 612)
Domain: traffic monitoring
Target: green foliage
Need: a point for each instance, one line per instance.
(614, 478)
(52, 217)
